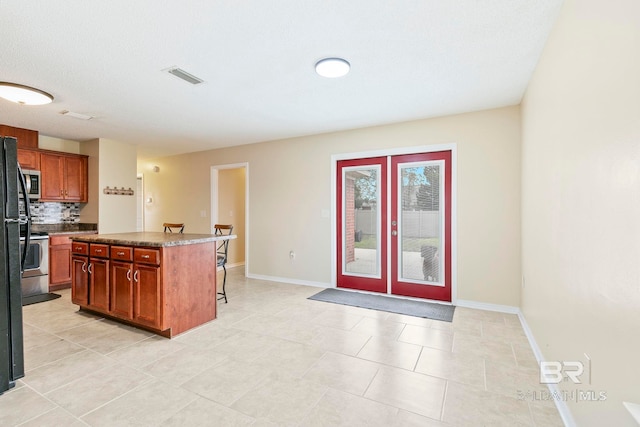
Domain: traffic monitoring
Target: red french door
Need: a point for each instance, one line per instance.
(394, 225)
(362, 224)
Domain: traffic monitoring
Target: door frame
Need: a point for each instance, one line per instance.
(214, 203)
(394, 152)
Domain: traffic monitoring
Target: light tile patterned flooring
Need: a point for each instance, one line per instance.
(274, 357)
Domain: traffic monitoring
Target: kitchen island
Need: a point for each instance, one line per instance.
(162, 282)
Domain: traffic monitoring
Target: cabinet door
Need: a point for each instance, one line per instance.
(147, 295)
(60, 264)
(80, 280)
(27, 138)
(52, 177)
(29, 159)
(122, 289)
(99, 284)
(75, 184)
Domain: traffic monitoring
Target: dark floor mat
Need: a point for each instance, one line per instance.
(415, 308)
(34, 299)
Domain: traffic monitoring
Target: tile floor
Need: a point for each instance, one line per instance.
(275, 358)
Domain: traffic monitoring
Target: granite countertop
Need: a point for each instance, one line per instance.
(65, 228)
(150, 239)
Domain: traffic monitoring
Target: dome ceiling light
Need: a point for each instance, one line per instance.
(24, 95)
(332, 67)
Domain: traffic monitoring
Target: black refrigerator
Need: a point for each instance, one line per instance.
(11, 265)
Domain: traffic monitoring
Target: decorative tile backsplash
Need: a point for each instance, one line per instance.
(53, 212)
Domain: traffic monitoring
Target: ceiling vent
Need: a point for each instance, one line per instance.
(182, 74)
(76, 115)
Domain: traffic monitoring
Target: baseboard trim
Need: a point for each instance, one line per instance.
(487, 306)
(289, 280)
(561, 405)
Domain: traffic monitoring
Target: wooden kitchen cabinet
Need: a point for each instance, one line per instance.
(168, 289)
(26, 138)
(59, 262)
(147, 287)
(99, 285)
(64, 177)
(29, 159)
(135, 287)
(122, 282)
(80, 273)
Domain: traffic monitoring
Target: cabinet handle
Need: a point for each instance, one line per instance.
(120, 253)
(78, 248)
(84, 267)
(135, 276)
(129, 275)
(66, 193)
(98, 251)
(145, 256)
(89, 268)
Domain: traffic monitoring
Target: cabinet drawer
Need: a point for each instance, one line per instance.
(80, 248)
(147, 256)
(59, 240)
(99, 250)
(122, 253)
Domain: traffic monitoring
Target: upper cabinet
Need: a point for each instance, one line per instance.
(64, 177)
(26, 138)
(29, 159)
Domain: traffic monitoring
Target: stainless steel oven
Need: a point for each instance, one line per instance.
(35, 279)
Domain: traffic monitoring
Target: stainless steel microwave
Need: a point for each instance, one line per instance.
(33, 183)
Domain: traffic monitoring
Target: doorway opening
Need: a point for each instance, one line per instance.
(230, 205)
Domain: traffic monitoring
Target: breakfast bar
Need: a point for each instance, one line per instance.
(162, 282)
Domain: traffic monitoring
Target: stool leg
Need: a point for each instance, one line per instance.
(224, 283)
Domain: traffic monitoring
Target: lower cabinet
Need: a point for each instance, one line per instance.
(121, 281)
(99, 284)
(122, 289)
(59, 262)
(168, 290)
(147, 295)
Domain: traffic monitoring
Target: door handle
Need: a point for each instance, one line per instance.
(129, 275)
(89, 268)
(84, 267)
(135, 276)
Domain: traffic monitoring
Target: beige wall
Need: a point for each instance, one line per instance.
(56, 144)
(581, 202)
(290, 186)
(112, 164)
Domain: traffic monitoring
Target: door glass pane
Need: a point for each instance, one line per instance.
(361, 221)
(420, 228)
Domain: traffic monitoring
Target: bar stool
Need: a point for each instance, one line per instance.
(222, 252)
(169, 226)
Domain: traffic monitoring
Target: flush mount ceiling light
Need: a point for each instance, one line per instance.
(24, 95)
(332, 67)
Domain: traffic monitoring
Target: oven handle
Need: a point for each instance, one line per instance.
(27, 209)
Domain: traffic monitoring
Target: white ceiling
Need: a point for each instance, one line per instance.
(410, 59)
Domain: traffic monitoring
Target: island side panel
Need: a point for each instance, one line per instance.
(189, 282)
